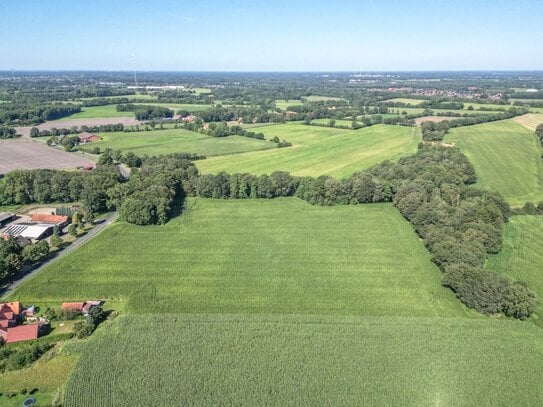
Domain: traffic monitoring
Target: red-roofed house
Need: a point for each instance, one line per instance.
(22, 333)
(9, 312)
(86, 137)
(59, 220)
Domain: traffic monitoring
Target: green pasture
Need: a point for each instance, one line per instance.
(521, 257)
(158, 142)
(274, 360)
(281, 256)
(320, 150)
(94, 112)
(179, 106)
(506, 157)
(414, 102)
(339, 122)
(316, 98)
(284, 104)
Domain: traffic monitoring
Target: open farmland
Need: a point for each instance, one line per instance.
(506, 157)
(521, 257)
(320, 150)
(27, 154)
(176, 141)
(407, 101)
(284, 104)
(258, 256)
(93, 112)
(179, 106)
(316, 98)
(308, 360)
(530, 120)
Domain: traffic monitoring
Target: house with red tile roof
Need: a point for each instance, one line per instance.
(10, 314)
(86, 137)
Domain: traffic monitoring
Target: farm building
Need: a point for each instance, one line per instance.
(5, 218)
(189, 119)
(30, 231)
(59, 220)
(21, 333)
(86, 137)
(81, 307)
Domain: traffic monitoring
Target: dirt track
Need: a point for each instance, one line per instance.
(28, 154)
(66, 124)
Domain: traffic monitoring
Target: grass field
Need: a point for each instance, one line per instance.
(320, 150)
(339, 122)
(414, 102)
(530, 120)
(259, 256)
(203, 360)
(284, 104)
(96, 112)
(179, 106)
(316, 98)
(521, 257)
(177, 140)
(506, 157)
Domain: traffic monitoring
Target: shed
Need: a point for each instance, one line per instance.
(5, 218)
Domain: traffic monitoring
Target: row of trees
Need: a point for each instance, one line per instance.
(23, 113)
(144, 112)
(56, 132)
(13, 257)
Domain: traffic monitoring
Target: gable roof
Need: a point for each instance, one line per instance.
(41, 217)
(74, 306)
(22, 333)
(14, 306)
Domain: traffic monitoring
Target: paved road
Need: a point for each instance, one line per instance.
(4, 291)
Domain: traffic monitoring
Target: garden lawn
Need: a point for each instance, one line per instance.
(257, 256)
(175, 141)
(521, 257)
(248, 360)
(320, 150)
(506, 157)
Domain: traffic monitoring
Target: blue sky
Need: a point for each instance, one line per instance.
(272, 35)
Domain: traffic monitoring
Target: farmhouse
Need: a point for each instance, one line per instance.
(189, 119)
(58, 220)
(6, 218)
(87, 137)
(10, 314)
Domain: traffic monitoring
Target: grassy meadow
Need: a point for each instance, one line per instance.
(407, 101)
(320, 150)
(521, 257)
(284, 104)
(506, 157)
(317, 98)
(176, 140)
(203, 360)
(258, 256)
(94, 112)
(193, 108)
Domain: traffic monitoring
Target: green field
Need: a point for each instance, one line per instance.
(530, 120)
(94, 112)
(521, 257)
(247, 360)
(320, 150)
(284, 104)
(175, 141)
(259, 256)
(506, 157)
(339, 122)
(316, 98)
(179, 106)
(414, 102)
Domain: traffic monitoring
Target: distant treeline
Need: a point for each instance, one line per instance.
(21, 114)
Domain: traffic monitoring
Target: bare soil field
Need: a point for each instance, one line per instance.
(27, 154)
(66, 124)
(436, 119)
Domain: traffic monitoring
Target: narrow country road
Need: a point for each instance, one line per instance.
(7, 289)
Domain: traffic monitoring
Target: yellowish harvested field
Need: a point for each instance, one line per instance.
(530, 120)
